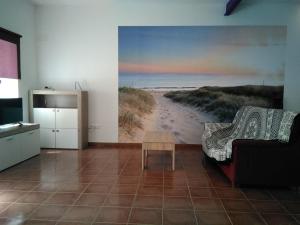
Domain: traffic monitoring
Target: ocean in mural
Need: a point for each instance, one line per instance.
(177, 78)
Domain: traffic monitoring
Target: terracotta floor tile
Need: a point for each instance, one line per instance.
(106, 179)
(292, 207)
(179, 217)
(3, 205)
(124, 189)
(5, 185)
(237, 205)
(150, 190)
(11, 196)
(285, 195)
(91, 200)
(177, 203)
(176, 173)
(128, 180)
(47, 187)
(24, 186)
(98, 188)
(246, 219)
(297, 217)
(142, 201)
(203, 192)
(80, 214)
(111, 180)
(39, 222)
(146, 216)
(149, 173)
(256, 194)
(62, 198)
(176, 191)
(212, 218)
(282, 219)
(197, 183)
(207, 204)
(72, 187)
(119, 200)
(229, 193)
(109, 224)
(175, 181)
(152, 181)
(49, 212)
(17, 210)
(113, 215)
(34, 197)
(268, 207)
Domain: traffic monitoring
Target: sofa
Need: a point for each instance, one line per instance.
(259, 162)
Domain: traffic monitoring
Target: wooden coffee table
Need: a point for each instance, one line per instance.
(158, 141)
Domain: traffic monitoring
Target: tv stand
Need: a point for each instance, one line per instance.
(18, 143)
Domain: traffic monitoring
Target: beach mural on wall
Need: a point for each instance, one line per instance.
(176, 78)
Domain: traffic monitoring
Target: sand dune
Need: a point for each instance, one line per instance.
(185, 122)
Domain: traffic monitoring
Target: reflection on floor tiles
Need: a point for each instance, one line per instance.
(108, 186)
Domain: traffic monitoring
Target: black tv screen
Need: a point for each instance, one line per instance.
(11, 110)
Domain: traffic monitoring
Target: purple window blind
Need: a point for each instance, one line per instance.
(8, 60)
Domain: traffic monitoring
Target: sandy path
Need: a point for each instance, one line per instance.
(186, 123)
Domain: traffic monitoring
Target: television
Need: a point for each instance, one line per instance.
(11, 110)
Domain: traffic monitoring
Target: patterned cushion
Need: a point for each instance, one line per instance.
(285, 126)
(249, 123)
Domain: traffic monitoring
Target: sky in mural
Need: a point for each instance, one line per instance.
(253, 54)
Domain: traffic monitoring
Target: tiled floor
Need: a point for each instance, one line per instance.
(107, 186)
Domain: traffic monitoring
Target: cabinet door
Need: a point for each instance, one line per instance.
(45, 117)
(67, 138)
(30, 144)
(9, 151)
(66, 118)
(47, 138)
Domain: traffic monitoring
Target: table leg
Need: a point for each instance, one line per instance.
(143, 158)
(173, 159)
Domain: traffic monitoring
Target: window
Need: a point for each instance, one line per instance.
(10, 69)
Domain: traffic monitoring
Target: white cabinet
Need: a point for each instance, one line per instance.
(19, 147)
(45, 117)
(30, 143)
(66, 118)
(59, 127)
(63, 117)
(47, 138)
(9, 151)
(66, 138)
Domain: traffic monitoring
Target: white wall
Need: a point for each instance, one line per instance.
(19, 16)
(80, 43)
(292, 76)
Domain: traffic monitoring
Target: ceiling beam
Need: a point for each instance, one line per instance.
(231, 6)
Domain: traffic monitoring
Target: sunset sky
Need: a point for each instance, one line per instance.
(212, 50)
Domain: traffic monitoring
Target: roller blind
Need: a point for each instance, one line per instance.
(9, 54)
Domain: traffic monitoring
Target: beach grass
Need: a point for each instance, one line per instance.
(224, 102)
(133, 105)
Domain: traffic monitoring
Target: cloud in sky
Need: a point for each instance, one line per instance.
(217, 50)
